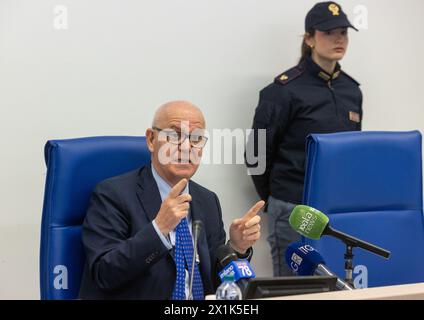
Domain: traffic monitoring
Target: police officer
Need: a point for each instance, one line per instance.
(316, 96)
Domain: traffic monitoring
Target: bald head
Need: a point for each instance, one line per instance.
(175, 161)
(178, 110)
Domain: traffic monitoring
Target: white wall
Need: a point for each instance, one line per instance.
(119, 60)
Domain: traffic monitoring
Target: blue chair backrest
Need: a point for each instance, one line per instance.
(74, 167)
(370, 186)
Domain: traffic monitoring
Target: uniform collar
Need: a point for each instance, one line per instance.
(318, 72)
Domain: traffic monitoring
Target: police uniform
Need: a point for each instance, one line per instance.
(301, 101)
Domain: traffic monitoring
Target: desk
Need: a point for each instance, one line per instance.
(403, 292)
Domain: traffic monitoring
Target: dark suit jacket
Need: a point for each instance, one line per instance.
(126, 259)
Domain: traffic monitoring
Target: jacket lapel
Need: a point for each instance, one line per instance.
(149, 196)
(148, 192)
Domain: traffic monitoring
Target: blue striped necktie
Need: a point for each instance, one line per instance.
(183, 258)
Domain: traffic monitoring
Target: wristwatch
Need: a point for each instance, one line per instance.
(247, 255)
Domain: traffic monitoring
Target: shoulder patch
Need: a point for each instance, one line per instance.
(290, 75)
(350, 78)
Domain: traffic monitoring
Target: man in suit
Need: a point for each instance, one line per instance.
(137, 233)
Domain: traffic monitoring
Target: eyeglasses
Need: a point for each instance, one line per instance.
(177, 138)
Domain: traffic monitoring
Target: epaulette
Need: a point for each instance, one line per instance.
(349, 77)
(290, 75)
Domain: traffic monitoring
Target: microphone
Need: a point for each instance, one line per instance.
(313, 224)
(197, 227)
(304, 260)
(231, 264)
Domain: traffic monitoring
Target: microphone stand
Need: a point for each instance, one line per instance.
(349, 264)
(197, 226)
(190, 288)
(352, 242)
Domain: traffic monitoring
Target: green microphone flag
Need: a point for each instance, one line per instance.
(309, 222)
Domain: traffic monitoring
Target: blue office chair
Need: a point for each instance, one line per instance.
(370, 186)
(74, 167)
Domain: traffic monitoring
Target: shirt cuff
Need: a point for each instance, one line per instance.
(164, 240)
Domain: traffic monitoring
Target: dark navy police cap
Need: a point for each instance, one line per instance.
(325, 16)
